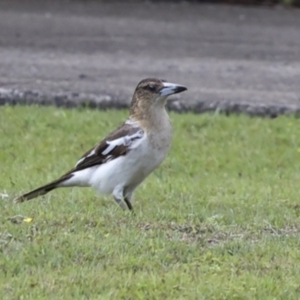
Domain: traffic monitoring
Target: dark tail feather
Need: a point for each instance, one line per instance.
(37, 192)
(42, 190)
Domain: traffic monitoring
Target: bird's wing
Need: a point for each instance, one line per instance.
(118, 143)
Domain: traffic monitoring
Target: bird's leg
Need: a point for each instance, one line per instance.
(127, 197)
(118, 196)
(120, 193)
(129, 205)
(120, 203)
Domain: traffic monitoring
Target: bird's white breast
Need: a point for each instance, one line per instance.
(131, 169)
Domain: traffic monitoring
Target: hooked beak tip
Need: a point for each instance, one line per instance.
(171, 88)
(180, 89)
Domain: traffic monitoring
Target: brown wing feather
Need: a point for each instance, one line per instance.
(98, 158)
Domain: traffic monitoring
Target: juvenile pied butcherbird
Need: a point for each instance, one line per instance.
(121, 161)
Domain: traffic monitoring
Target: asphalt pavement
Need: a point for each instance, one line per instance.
(231, 58)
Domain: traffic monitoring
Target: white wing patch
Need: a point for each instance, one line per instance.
(83, 158)
(130, 141)
(123, 141)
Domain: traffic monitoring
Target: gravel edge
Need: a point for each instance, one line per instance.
(71, 100)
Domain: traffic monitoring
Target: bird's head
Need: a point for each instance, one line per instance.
(153, 93)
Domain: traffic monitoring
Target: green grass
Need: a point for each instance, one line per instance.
(218, 220)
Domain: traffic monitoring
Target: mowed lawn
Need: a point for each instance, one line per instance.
(220, 219)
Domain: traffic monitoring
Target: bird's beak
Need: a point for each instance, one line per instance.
(171, 88)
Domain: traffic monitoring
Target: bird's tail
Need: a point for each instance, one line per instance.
(43, 189)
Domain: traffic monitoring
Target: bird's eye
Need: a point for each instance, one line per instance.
(151, 87)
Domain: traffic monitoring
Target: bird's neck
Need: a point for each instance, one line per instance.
(154, 118)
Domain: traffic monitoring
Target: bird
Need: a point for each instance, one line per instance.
(119, 163)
